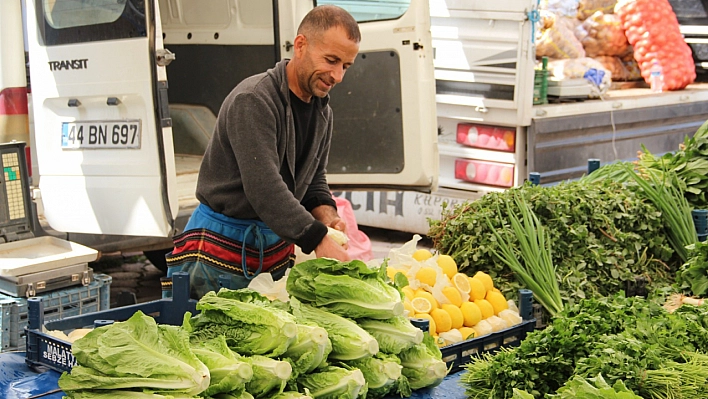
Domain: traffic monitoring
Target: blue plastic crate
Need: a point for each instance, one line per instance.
(57, 305)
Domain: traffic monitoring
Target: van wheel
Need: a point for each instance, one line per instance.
(157, 258)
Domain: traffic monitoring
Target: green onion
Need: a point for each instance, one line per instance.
(537, 272)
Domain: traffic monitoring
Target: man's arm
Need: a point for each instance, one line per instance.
(328, 248)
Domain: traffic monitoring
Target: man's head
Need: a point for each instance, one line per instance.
(326, 45)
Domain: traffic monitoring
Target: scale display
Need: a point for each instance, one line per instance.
(14, 192)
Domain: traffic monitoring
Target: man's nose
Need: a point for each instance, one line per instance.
(338, 74)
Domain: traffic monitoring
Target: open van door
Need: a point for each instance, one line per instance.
(102, 127)
(385, 129)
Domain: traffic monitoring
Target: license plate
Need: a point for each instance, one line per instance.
(100, 134)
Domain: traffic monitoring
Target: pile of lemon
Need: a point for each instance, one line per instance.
(474, 306)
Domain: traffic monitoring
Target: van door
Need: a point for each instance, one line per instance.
(385, 129)
(102, 129)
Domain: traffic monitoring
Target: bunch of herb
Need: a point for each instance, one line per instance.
(693, 275)
(602, 234)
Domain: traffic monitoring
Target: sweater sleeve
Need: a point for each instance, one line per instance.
(318, 192)
(252, 124)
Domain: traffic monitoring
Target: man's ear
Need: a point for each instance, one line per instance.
(300, 44)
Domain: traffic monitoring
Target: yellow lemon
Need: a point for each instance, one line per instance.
(455, 313)
(486, 308)
(477, 289)
(421, 305)
(448, 265)
(467, 332)
(452, 295)
(427, 275)
(497, 301)
(428, 296)
(443, 322)
(461, 282)
(408, 292)
(422, 254)
(407, 305)
(471, 313)
(431, 322)
(486, 279)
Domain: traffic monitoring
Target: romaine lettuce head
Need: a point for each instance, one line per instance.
(383, 375)
(310, 349)
(136, 353)
(250, 328)
(269, 376)
(349, 289)
(334, 383)
(290, 395)
(233, 395)
(228, 372)
(393, 335)
(422, 364)
(349, 341)
(122, 393)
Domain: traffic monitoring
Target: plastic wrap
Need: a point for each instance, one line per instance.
(602, 34)
(557, 39)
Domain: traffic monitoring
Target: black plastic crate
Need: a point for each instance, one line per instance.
(45, 351)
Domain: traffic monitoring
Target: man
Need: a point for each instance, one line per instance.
(262, 185)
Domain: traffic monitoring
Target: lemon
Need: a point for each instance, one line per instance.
(467, 332)
(428, 296)
(497, 301)
(477, 289)
(407, 305)
(455, 315)
(427, 275)
(431, 322)
(422, 254)
(391, 272)
(461, 282)
(408, 292)
(452, 295)
(443, 322)
(448, 265)
(486, 279)
(471, 313)
(421, 305)
(486, 308)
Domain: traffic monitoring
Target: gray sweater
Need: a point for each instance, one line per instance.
(248, 170)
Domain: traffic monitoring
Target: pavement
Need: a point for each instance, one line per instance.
(136, 279)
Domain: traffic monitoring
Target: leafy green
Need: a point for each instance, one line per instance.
(349, 341)
(422, 364)
(290, 395)
(136, 353)
(250, 328)
(310, 349)
(269, 376)
(349, 289)
(393, 335)
(594, 388)
(693, 274)
(383, 376)
(334, 383)
(228, 372)
(113, 394)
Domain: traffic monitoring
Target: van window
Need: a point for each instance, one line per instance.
(77, 21)
(371, 10)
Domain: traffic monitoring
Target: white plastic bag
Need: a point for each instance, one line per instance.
(264, 285)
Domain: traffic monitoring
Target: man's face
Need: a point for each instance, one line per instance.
(325, 59)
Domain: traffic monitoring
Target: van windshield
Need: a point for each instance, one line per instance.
(77, 21)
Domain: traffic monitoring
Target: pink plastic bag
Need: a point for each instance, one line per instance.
(359, 243)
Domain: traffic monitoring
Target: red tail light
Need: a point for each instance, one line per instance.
(481, 172)
(487, 137)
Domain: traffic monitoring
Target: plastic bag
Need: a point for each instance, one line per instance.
(557, 40)
(586, 8)
(620, 70)
(358, 242)
(264, 285)
(602, 34)
(601, 78)
(564, 8)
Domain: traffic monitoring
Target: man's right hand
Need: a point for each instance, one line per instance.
(328, 248)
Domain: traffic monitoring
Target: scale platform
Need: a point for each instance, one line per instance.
(575, 88)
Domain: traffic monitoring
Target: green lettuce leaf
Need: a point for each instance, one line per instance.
(269, 376)
(422, 364)
(349, 341)
(290, 395)
(228, 372)
(393, 335)
(121, 393)
(349, 289)
(334, 383)
(310, 349)
(136, 353)
(383, 375)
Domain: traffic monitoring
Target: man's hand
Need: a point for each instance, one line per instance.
(328, 248)
(328, 215)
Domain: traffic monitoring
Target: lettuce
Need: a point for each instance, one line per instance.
(250, 328)
(139, 354)
(349, 341)
(422, 364)
(383, 376)
(269, 376)
(290, 395)
(349, 289)
(123, 394)
(393, 335)
(228, 372)
(334, 383)
(310, 349)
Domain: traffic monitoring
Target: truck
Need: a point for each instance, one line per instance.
(438, 108)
